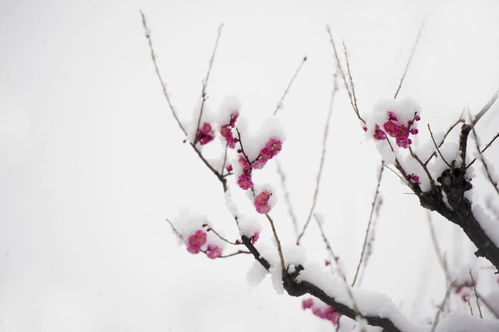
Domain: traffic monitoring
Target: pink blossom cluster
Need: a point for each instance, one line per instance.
(205, 134)
(322, 311)
(269, 151)
(261, 202)
(197, 240)
(226, 130)
(395, 128)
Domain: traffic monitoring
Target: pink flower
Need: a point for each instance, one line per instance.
(259, 163)
(262, 202)
(226, 133)
(233, 119)
(392, 116)
(196, 241)
(213, 251)
(244, 164)
(307, 303)
(272, 148)
(379, 134)
(255, 237)
(331, 315)
(417, 118)
(414, 178)
(414, 131)
(205, 134)
(229, 168)
(244, 181)
(318, 312)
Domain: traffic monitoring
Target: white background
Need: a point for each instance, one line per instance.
(91, 161)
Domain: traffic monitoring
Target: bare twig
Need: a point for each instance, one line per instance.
(204, 95)
(485, 109)
(239, 252)
(279, 104)
(350, 79)
(323, 158)
(459, 120)
(441, 307)
(278, 243)
(211, 229)
(175, 231)
(287, 199)
(488, 306)
(438, 252)
(409, 61)
(156, 69)
(476, 295)
(342, 274)
(368, 228)
(343, 76)
(485, 164)
(484, 149)
(436, 146)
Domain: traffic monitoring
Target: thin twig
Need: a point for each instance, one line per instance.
(343, 76)
(239, 252)
(211, 229)
(438, 252)
(279, 248)
(204, 95)
(409, 61)
(484, 149)
(441, 307)
(459, 120)
(279, 104)
(488, 306)
(156, 69)
(476, 295)
(350, 79)
(329, 248)
(485, 164)
(323, 158)
(287, 198)
(368, 228)
(485, 109)
(177, 233)
(436, 146)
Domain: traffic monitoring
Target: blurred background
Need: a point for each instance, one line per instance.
(91, 160)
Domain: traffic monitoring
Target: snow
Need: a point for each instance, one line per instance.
(253, 142)
(248, 226)
(488, 224)
(256, 274)
(459, 322)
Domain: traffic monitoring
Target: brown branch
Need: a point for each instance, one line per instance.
(322, 161)
(485, 164)
(485, 109)
(436, 247)
(368, 228)
(436, 146)
(476, 295)
(409, 61)
(278, 243)
(204, 95)
(211, 229)
(459, 120)
(239, 252)
(441, 307)
(343, 76)
(158, 75)
(175, 231)
(484, 149)
(279, 104)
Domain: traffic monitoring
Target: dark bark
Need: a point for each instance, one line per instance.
(454, 184)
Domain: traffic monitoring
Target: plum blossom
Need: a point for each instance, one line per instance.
(205, 134)
(213, 251)
(321, 310)
(262, 202)
(226, 131)
(196, 241)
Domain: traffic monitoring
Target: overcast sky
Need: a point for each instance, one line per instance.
(91, 161)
